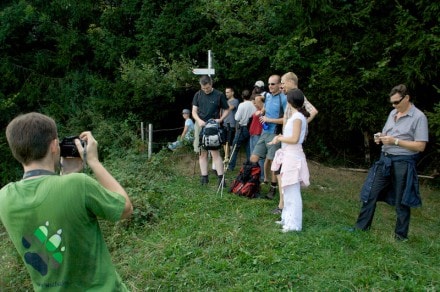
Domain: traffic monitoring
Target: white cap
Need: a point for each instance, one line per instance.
(259, 83)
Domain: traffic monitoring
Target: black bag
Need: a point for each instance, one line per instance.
(247, 183)
(211, 136)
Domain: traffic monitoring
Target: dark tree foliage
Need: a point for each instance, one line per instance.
(110, 64)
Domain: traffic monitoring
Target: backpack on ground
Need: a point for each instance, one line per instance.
(247, 183)
(211, 136)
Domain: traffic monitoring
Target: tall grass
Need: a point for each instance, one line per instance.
(184, 237)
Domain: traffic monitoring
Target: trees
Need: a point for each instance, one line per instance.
(119, 58)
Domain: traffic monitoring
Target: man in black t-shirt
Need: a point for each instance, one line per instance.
(207, 104)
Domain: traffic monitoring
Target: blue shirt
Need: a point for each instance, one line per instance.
(272, 107)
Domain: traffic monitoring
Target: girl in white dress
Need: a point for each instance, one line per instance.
(294, 171)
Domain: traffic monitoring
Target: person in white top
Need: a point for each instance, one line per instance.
(294, 171)
(289, 81)
(243, 115)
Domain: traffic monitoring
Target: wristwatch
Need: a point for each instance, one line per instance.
(396, 142)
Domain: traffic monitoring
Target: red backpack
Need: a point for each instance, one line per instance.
(247, 183)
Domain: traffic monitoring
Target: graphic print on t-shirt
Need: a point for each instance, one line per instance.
(44, 251)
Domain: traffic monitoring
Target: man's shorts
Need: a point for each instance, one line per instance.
(263, 150)
(196, 142)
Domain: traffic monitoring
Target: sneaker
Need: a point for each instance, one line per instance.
(400, 238)
(279, 222)
(285, 230)
(277, 211)
(204, 180)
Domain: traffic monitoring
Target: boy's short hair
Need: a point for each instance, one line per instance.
(29, 136)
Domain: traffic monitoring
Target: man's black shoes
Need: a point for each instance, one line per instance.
(204, 180)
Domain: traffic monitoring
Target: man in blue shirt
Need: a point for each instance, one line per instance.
(274, 107)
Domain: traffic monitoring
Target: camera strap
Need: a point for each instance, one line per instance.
(37, 172)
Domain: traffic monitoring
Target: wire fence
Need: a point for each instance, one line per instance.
(147, 136)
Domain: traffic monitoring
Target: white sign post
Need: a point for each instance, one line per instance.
(205, 71)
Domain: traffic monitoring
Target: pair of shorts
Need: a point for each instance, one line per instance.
(263, 150)
(196, 142)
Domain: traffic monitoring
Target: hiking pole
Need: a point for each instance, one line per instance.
(225, 168)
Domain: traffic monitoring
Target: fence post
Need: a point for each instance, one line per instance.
(150, 140)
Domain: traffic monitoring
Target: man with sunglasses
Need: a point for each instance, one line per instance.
(274, 107)
(393, 178)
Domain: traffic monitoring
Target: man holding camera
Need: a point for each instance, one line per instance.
(53, 219)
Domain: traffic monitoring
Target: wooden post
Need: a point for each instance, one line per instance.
(150, 140)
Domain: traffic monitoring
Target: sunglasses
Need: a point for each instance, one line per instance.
(273, 84)
(397, 101)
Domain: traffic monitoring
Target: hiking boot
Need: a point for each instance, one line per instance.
(204, 180)
(271, 194)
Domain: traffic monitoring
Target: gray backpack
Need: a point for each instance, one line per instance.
(211, 137)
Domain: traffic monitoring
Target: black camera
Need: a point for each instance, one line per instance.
(68, 146)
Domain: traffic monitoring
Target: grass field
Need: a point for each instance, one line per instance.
(184, 237)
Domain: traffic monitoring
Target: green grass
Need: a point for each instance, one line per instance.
(187, 238)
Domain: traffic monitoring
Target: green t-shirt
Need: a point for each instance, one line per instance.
(53, 223)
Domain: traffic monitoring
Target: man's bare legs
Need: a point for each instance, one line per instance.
(203, 163)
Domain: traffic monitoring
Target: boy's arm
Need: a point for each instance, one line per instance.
(101, 173)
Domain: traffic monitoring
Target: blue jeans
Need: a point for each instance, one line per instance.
(396, 181)
(241, 137)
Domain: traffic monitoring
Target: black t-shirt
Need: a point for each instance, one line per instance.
(209, 105)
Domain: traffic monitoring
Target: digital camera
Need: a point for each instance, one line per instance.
(68, 147)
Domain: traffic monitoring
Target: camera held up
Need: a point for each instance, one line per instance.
(68, 147)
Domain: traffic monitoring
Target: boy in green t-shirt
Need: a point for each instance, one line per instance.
(53, 219)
